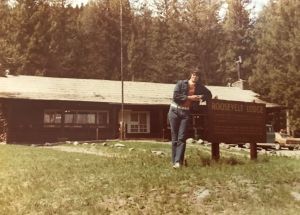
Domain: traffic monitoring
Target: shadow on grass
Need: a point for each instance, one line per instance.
(205, 160)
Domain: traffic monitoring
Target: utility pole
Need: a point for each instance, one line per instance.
(122, 125)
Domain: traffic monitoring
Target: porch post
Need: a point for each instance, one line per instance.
(215, 151)
(253, 151)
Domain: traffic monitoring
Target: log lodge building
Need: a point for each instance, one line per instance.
(47, 109)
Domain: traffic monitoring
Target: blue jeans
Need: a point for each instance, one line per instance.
(179, 120)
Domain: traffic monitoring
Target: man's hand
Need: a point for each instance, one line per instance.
(195, 98)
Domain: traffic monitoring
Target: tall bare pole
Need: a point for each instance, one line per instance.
(122, 129)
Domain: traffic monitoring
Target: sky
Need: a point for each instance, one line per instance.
(78, 2)
(257, 3)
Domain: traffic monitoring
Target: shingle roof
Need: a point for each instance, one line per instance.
(92, 90)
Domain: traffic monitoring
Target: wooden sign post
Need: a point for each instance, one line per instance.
(235, 123)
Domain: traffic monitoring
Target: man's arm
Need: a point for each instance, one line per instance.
(206, 93)
(179, 95)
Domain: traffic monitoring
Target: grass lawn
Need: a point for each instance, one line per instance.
(35, 180)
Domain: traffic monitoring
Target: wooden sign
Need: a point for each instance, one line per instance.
(236, 122)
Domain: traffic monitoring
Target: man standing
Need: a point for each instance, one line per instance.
(186, 98)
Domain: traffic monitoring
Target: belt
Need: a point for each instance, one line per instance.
(179, 107)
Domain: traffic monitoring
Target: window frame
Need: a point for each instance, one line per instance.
(52, 124)
(138, 124)
(74, 123)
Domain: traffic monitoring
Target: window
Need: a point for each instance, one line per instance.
(52, 118)
(69, 118)
(73, 118)
(80, 118)
(139, 122)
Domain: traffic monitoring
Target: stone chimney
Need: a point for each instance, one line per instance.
(242, 84)
(6, 72)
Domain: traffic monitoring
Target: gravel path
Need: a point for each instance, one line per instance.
(94, 151)
(81, 150)
(294, 153)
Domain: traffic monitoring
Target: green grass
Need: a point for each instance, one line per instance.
(37, 180)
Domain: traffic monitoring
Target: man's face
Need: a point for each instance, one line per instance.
(194, 78)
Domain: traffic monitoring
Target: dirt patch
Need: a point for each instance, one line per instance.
(82, 150)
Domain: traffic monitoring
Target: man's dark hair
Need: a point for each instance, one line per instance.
(195, 71)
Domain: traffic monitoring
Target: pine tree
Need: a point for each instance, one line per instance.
(167, 41)
(75, 55)
(101, 26)
(277, 72)
(29, 33)
(237, 41)
(202, 35)
(4, 14)
(140, 59)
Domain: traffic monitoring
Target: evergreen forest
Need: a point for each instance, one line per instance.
(161, 41)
